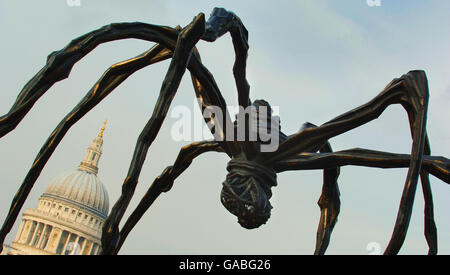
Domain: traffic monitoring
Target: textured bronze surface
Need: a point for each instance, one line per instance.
(251, 173)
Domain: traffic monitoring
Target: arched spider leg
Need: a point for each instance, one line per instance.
(112, 78)
(329, 201)
(220, 22)
(429, 223)
(411, 91)
(183, 51)
(164, 182)
(437, 166)
(60, 63)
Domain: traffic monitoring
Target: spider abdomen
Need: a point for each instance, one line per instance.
(247, 190)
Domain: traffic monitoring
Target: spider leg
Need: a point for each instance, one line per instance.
(220, 22)
(164, 182)
(430, 224)
(329, 201)
(185, 44)
(112, 78)
(329, 204)
(437, 166)
(411, 91)
(208, 94)
(416, 105)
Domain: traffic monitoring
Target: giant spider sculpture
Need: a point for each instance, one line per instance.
(252, 173)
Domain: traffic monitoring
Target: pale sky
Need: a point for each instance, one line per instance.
(314, 59)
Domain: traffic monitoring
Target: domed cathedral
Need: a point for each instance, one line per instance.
(69, 217)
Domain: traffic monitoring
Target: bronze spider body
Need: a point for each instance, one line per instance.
(251, 172)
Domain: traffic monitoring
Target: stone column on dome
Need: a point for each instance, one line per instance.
(45, 236)
(75, 245)
(53, 243)
(95, 249)
(66, 243)
(31, 233)
(82, 246)
(34, 233)
(24, 235)
(37, 235)
(41, 237)
(89, 247)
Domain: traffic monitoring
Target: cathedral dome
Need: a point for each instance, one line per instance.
(70, 214)
(81, 188)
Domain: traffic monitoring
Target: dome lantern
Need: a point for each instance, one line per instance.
(93, 154)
